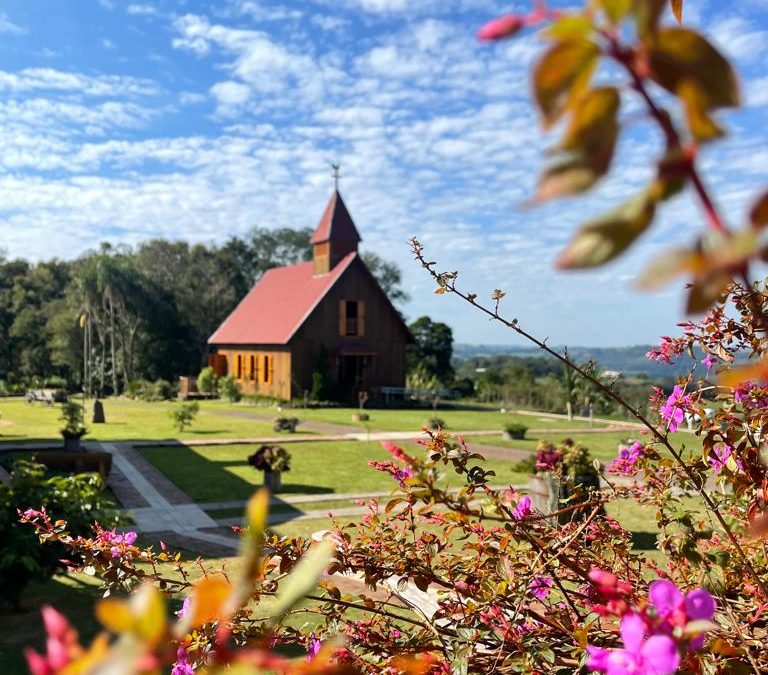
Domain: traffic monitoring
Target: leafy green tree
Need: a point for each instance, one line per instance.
(206, 380)
(432, 349)
(229, 389)
(184, 415)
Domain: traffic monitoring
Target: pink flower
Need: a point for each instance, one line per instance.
(656, 655)
(182, 611)
(182, 665)
(709, 361)
(503, 27)
(723, 452)
(540, 587)
(523, 508)
(626, 459)
(313, 649)
(674, 409)
(61, 645)
(129, 538)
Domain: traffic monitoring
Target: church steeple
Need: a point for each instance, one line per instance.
(335, 236)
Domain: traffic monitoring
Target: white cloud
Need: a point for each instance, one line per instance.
(34, 79)
(740, 39)
(142, 10)
(7, 26)
(230, 97)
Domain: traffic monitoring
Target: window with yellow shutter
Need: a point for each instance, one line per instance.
(351, 318)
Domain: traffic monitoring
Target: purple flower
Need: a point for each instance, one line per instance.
(182, 665)
(656, 655)
(709, 361)
(674, 409)
(313, 649)
(401, 475)
(522, 509)
(540, 587)
(129, 538)
(665, 597)
(699, 604)
(723, 452)
(182, 612)
(627, 458)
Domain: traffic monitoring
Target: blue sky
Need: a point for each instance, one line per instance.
(199, 120)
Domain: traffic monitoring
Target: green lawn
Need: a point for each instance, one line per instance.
(134, 420)
(222, 473)
(413, 420)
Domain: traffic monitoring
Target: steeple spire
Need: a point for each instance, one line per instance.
(335, 236)
(336, 176)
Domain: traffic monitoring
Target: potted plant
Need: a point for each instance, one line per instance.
(288, 424)
(272, 460)
(578, 478)
(544, 483)
(514, 431)
(435, 423)
(74, 426)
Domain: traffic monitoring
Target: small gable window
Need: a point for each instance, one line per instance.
(351, 318)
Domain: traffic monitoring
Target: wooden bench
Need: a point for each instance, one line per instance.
(46, 396)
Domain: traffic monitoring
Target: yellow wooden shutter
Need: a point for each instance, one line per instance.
(271, 368)
(342, 317)
(258, 368)
(361, 318)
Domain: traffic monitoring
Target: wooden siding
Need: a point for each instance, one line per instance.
(247, 364)
(384, 335)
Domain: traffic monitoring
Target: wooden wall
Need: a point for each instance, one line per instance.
(384, 334)
(252, 373)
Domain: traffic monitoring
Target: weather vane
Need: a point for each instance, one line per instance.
(336, 175)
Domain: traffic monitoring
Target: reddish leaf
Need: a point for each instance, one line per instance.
(677, 10)
(706, 291)
(758, 216)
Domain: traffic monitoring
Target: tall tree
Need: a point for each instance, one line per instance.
(432, 349)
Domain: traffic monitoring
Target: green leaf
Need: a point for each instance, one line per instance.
(758, 216)
(562, 73)
(647, 15)
(302, 579)
(604, 238)
(680, 55)
(701, 125)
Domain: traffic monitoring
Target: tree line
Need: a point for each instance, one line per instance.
(143, 312)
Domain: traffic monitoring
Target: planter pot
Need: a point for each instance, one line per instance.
(72, 442)
(509, 436)
(543, 489)
(577, 490)
(273, 481)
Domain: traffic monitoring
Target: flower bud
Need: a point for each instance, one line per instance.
(503, 27)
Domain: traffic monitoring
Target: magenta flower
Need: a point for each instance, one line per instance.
(723, 452)
(182, 665)
(313, 649)
(540, 587)
(129, 538)
(656, 655)
(523, 508)
(402, 475)
(182, 611)
(677, 609)
(674, 409)
(709, 361)
(627, 458)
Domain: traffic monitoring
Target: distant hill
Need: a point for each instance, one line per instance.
(628, 360)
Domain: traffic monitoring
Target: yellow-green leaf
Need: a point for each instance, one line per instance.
(677, 10)
(680, 55)
(758, 216)
(703, 128)
(672, 174)
(615, 10)
(569, 27)
(562, 74)
(115, 615)
(647, 16)
(593, 124)
(604, 238)
(303, 578)
(566, 178)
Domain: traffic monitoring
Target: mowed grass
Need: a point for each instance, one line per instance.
(222, 473)
(132, 420)
(414, 419)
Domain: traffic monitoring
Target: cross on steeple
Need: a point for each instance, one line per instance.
(336, 175)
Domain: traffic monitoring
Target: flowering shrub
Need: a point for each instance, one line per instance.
(474, 579)
(271, 458)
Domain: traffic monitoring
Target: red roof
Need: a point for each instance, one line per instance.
(278, 305)
(336, 223)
